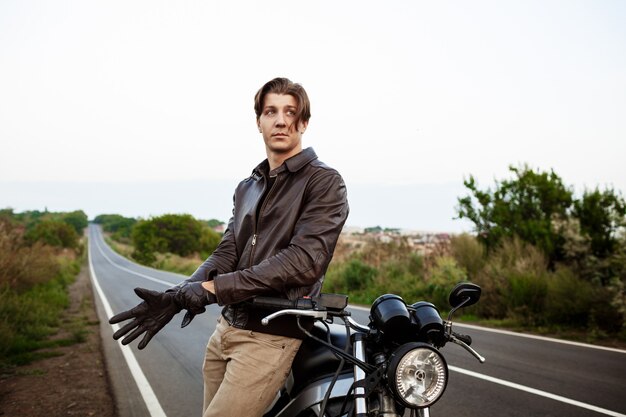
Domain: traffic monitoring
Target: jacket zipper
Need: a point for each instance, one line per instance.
(256, 224)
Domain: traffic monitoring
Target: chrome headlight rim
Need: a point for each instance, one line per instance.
(401, 354)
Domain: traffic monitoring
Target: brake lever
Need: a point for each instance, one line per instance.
(467, 347)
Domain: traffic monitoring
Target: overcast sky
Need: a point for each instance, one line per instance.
(408, 99)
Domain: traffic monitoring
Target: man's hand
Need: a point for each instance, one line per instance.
(194, 297)
(158, 308)
(149, 316)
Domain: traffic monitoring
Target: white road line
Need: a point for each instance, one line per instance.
(546, 339)
(149, 397)
(537, 392)
(130, 271)
(522, 387)
(454, 368)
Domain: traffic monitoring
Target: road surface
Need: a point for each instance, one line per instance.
(523, 376)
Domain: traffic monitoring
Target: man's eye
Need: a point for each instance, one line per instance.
(269, 112)
(291, 113)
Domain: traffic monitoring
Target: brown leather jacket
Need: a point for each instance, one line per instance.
(283, 248)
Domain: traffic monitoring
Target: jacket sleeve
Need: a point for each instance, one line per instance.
(223, 259)
(303, 262)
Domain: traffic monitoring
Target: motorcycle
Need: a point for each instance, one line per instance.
(391, 367)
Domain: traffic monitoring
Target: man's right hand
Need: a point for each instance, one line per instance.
(149, 316)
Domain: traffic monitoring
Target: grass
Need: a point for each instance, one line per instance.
(31, 321)
(593, 336)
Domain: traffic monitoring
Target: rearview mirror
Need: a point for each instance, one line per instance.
(464, 294)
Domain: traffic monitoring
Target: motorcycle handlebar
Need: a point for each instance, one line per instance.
(282, 303)
(332, 302)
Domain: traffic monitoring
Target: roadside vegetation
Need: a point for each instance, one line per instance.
(172, 242)
(547, 260)
(40, 256)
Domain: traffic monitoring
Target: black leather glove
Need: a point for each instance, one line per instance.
(158, 309)
(149, 316)
(193, 297)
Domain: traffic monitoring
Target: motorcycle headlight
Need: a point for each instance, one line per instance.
(417, 375)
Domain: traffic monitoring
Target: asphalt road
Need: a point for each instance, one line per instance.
(523, 376)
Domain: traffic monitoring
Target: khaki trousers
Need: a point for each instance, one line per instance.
(243, 370)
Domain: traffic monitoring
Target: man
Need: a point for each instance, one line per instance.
(287, 217)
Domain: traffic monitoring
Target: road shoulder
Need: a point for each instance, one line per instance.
(73, 383)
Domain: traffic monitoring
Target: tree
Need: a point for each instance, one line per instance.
(213, 223)
(208, 241)
(525, 206)
(119, 225)
(77, 219)
(53, 233)
(602, 217)
(180, 234)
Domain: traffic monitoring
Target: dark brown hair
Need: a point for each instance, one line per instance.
(284, 86)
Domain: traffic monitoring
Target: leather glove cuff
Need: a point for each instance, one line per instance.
(192, 296)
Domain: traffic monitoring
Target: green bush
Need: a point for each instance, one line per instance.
(28, 318)
(352, 277)
(54, 233)
(441, 278)
(21, 265)
(179, 234)
(526, 296)
(209, 240)
(569, 299)
(119, 226)
(33, 292)
(77, 219)
(509, 278)
(379, 269)
(607, 311)
(469, 254)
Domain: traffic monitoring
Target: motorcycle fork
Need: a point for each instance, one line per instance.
(386, 406)
(358, 350)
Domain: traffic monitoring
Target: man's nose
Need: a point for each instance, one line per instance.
(280, 119)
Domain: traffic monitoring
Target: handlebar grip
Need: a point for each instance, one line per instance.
(282, 303)
(273, 302)
(467, 339)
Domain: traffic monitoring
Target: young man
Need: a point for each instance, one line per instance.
(287, 217)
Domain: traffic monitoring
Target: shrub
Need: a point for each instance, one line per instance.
(469, 254)
(27, 318)
(77, 219)
(607, 311)
(33, 292)
(209, 240)
(569, 299)
(441, 278)
(510, 278)
(378, 269)
(119, 226)
(352, 277)
(526, 296)
(53, 233)
(179, 234)
(23, 266)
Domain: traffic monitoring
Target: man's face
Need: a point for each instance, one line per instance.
(277, 124)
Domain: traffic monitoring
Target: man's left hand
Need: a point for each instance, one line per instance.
(193, 297)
